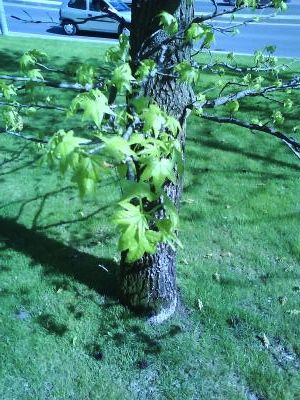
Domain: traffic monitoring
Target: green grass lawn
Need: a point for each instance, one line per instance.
(63, 333)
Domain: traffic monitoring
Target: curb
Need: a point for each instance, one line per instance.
(67, 38)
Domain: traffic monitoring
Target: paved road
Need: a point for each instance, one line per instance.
(282, 30)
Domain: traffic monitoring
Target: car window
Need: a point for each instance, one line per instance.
(80, 4)
(97, 5)
(119, 6)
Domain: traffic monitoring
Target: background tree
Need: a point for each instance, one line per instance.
(134, 123)
(3, 22)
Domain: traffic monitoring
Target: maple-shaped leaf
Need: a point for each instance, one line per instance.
(159, 170)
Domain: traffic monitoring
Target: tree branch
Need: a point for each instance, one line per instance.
(25, 137)
(59, 85)
(292, 84)
(39, 106)
(235, 68)
(293, 144)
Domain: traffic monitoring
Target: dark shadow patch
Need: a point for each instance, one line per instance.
(95, 351)
(4, 268)
(77, 313)
(56, 257)
(152, 345)
(5, 292)
(48, 322)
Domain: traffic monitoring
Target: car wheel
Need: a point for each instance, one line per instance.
(69, 27)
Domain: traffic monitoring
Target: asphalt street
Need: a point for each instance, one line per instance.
(282, 30)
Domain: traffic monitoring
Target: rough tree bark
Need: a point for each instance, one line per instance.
(149, 285)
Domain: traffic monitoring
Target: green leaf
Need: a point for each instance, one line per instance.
(140, 190)
(186, 72)
(63, 143)
(232, 106)
(166, 231)
(173, 125)
(154, 119)
(117, 147)
(136, 238)
(168, 22)
(35, 73)
(122, 78)
(94, 105)
(140, 103)
(85, 74)
(26, 61)
(145, 68)
(194, 32)
(288, 104)
(158, 171)
(278, 118)
(12, 119)
(8, 90)
(87, 173)
(209, 38)
(119, 53)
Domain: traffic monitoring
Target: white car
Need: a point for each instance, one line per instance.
(111, 16)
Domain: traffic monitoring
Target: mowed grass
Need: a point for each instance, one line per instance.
(63, 333)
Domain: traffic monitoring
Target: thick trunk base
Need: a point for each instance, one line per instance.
(148, 286)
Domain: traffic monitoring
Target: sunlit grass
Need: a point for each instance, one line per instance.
(63, 333)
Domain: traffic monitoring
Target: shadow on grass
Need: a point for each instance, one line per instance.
(9, 59)
(56, 257)
(14, 155)
(215, 144)
(48, 322)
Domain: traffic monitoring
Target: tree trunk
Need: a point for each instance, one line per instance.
(3, 23)
(149, 285)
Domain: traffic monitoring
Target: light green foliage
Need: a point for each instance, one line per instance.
(288, 104)
(154, 119)
(117, 147)
(136, 237)
(85, 74)
(62, 144)
(168, 22)
(30, 58)
(8, 90)
(186, 72)
(119, 53)
(194, 32)
(94, 105)
(87, 172)
(233, 106)
(122, 78)
(34, 73)
(278, 118)
(11, 118)
(145, 68)
(280, 4)
(158, 170)
(198, 31)
(28, 63)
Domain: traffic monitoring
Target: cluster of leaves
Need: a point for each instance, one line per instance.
(141, 140)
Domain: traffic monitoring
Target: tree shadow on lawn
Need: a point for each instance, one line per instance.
(15, 155)
(9, 59)
(226, 147)
(56, 257)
